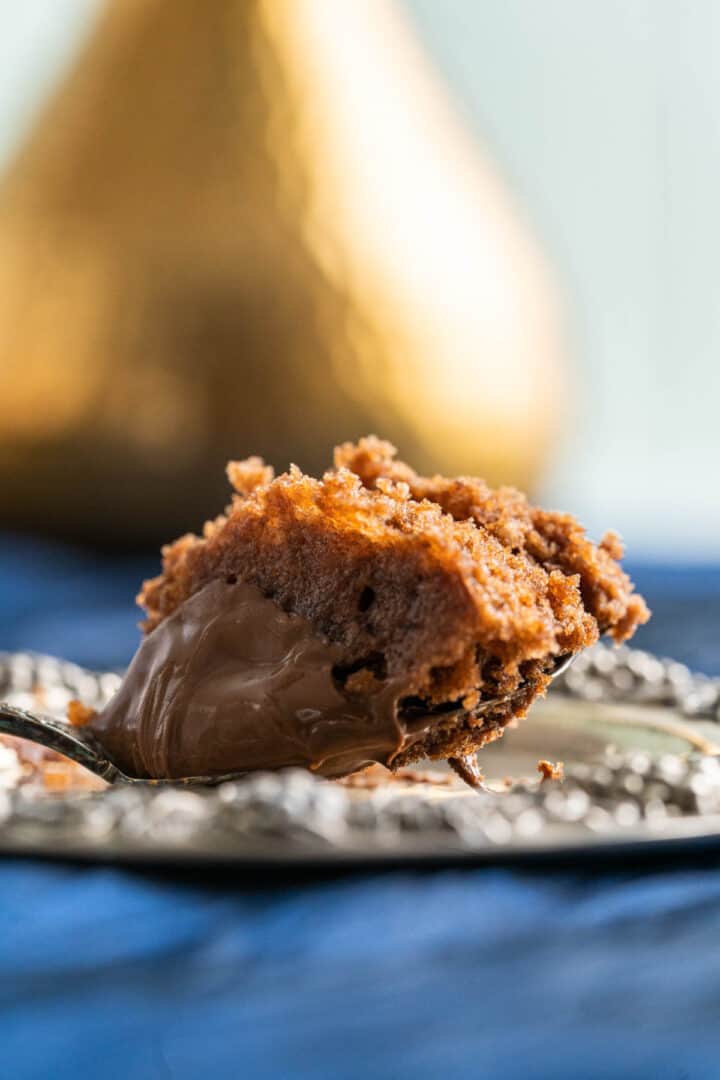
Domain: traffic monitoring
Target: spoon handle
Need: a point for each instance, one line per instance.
(74, 743)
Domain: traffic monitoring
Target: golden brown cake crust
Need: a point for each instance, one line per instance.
(545, 536)
(472, 591)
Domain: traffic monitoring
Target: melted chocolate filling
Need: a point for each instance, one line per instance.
(229, 682)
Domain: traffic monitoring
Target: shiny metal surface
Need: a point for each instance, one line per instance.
(641, 769)
(58, 735)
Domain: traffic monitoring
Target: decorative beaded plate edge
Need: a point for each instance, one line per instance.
(622, 799)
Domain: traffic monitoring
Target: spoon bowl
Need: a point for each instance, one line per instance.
(81, 746)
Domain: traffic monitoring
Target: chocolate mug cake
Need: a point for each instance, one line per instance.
(373, 615)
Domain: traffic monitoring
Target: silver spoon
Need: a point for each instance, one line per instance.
(81, 746)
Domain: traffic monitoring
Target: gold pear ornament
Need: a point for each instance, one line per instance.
(256, 226)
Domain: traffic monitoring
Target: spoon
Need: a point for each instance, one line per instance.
(82, 747)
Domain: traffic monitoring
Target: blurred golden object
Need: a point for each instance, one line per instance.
(255, 226)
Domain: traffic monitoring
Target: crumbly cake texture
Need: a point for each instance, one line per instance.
(466, 592)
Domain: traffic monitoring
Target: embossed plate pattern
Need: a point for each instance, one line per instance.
(639, 737)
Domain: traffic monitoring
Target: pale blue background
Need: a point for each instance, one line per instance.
(604, 115)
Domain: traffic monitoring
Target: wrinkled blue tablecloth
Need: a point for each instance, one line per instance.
(571, 972)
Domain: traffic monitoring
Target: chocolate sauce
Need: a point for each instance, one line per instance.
(229, 682)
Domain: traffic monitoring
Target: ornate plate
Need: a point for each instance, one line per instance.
(638, 736)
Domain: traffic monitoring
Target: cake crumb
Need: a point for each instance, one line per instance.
(78, 714)
(548, 771)
(467, 769)
(57, 776)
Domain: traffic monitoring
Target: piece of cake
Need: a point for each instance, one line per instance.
(364, 617)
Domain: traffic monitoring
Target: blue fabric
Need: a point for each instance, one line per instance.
(579, 971)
